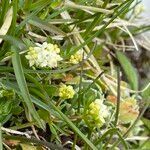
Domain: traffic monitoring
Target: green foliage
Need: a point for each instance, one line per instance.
(6, 102)
(5, 109)
(29, 95)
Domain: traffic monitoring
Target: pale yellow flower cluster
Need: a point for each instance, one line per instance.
(97, 113)
(66, 92)
(44, 55)
(129, 110)
(76, 58)
(32, 55)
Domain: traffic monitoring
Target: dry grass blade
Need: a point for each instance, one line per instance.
(7, 23)
(87, 8)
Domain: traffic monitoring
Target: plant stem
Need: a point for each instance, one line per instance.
(80, 84)
(118, 96)
(106, 144)
(74, 142)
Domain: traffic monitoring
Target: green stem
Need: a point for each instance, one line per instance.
(118, 96)
(74, 142)
(107, 142)
(89, 135)
(94, 81)
(80, 84)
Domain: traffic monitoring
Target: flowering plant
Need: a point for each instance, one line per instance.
(69, 76)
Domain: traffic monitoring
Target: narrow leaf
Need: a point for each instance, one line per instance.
(129, 70)
(46, 26)
(23, 86)
(108, 132)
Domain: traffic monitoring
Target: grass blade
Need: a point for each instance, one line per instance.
(117, 12)
(128, 69)
(46, 26)
(14, 19)
(108, 132)
(7, 23)
(23, 86)
(4, 9)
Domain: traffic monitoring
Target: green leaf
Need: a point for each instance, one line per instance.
(54, 132)
(5, 109)
(51, 90)
(55, 3)
(146, 94)
(13, 41)
(129, 70)
(146, 145)
(44, 115)
(4, 9)
(23, 86)
(146, 122)
(46, 26)
(38, 4)
(89, 96)
(17, 110)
